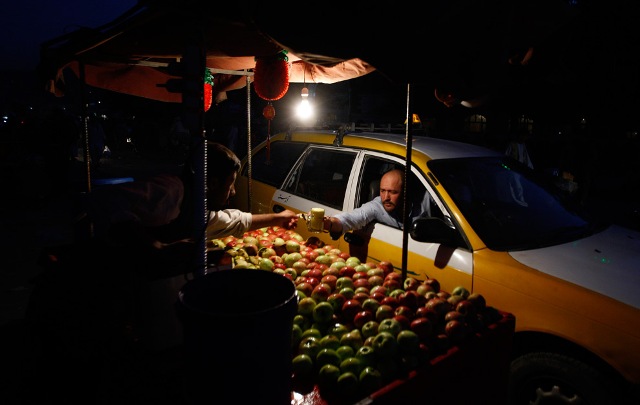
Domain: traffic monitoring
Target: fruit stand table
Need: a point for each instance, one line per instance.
(474, 372)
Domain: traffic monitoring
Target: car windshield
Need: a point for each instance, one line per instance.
(510, 206)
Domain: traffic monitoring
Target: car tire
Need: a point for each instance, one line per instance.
(550, 378)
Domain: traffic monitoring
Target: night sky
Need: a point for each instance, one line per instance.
(24, 25)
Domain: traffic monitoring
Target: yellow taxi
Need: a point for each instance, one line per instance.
(495, 227)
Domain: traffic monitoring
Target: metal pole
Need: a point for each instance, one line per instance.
(407, 171)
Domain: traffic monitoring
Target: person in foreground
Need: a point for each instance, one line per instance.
(154, 219)
(386, 209)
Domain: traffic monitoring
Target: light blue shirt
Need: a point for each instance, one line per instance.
(372, 212)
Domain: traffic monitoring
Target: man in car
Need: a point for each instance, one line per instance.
(385, 208)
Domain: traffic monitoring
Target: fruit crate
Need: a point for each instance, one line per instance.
(474, 372)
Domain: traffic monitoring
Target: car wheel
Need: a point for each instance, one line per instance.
(551, 378)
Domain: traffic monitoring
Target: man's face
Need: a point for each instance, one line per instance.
(391, 191)
(218, 195)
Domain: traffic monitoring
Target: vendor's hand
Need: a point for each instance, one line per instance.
(289, 219)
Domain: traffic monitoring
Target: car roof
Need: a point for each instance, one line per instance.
(433, 148)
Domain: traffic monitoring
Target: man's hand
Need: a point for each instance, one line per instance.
(289, 219)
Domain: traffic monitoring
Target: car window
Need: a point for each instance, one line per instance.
(508, 205)
(271, 164)
(322, 176)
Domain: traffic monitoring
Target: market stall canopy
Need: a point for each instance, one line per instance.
(132, 54)
(466, 47)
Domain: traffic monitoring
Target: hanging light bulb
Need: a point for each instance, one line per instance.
(304, 109)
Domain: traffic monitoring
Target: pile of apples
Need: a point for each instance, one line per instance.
(359, 325)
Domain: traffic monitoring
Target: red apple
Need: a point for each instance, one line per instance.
(315, 272)
(329, 279)
(361, 282)
(404, 321)
(429, 313)
(321, 292)
(405, 310)
(387, 267)
(435, 284)
(392, 284)
(362, 317)
(390, 301)
(440, 306)
(360, 296)
(377, 295)
(456, 330)
(350, 308)
(305, 287)
(422, 326)
(347, 271)
(359, 274)
(409, 299)
(337, 300)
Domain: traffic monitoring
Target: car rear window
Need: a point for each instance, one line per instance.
(271, 165)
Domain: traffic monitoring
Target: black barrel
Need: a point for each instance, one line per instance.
(237, 337)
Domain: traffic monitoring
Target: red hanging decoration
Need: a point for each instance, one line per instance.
(208, 89)
(271, 76)
(269, 113)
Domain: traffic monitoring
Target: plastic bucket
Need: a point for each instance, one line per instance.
(237, 337)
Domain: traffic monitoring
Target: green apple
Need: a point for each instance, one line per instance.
(309, 345)
(338, 330)
(461, 291)
(366, 355)
(324, 259)
(302, 365)
(390, 325)
(385, 345)
(291, 258)
(343, 282)
(328, 356)
(296, 335)
(322, 312)
(312, 332)
(348, 384)
(408, 342)
(301, 320)
(384, 311)
(306, 306)
(353, 261)
(371, 305)
(353, 339)
(329, 342)
(347, 292)
(370, 329)
(345, 352)
(328, 377)
(370, 379)
(351, 364)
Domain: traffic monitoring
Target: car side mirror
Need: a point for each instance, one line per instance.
(434, 230)
(354, 239)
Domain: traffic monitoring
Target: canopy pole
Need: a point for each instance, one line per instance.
(407, 171)
(194, 64)
(249, 147)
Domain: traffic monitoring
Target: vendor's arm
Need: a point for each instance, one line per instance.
(236, 222)
(286, 219)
